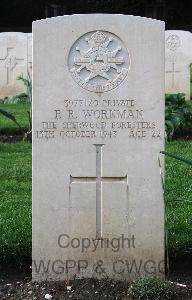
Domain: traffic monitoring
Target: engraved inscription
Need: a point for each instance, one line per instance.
(98, 61)
(98, 119)
(173, 42)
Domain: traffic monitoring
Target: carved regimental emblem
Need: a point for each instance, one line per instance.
(98, 61)
(173, 42)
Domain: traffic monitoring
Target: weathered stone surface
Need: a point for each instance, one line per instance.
(29, 53)
(98, 127)
(178, 57)
(13, 62)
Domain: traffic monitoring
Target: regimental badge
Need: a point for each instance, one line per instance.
(98, 61)
(173, 42)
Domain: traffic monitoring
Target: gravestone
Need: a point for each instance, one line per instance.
(178, 57)
(13, 62)
(98, 128)
(29, 54)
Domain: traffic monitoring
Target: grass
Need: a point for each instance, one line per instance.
(178, 195)
(15, 200)
(20, 112)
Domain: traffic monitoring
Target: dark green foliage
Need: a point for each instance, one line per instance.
(178, 114)
(10, 116)
(149, 288)
(19, 99)
(28, 84)
(17, 111)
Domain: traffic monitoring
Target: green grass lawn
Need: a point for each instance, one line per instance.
(15, 200)
(178, 195)
(20, 112)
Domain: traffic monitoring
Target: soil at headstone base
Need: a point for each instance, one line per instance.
(83, 289)
(14, 138)
(79, 289)
(9, 138)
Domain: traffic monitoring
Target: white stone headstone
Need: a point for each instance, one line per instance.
(178, 57)
(29, 54)
(13, 62)
(98, 128)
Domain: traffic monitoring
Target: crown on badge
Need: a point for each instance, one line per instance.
(97, 38)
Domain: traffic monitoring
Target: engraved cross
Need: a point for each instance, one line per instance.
(9, 62)
(99, 179)
(173, 72)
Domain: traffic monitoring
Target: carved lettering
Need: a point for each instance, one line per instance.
(112, 114)
(93, 118)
